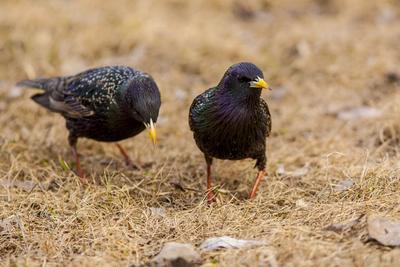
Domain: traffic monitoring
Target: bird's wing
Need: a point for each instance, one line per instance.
(83, 94)
(197, 107)
(97, 88)
(266, 115)
(56, 97)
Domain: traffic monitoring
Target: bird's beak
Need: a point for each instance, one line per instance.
(152, 131)
(259, 83)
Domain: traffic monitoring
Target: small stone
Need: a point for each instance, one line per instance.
(384, 230)
(177, 254)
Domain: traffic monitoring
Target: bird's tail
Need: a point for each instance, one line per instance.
(47, 84)
(43, 100)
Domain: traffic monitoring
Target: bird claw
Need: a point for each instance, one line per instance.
(82, 176)
(211, 198)
(132, 165)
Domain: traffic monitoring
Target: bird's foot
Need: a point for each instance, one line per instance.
(82, 176)
(259, 177)
(131, 165)
(211, 198)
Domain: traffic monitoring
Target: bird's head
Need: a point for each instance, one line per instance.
(243, 79)
(143, 100)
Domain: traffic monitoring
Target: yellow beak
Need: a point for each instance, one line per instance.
(259, 83)
(152, 132)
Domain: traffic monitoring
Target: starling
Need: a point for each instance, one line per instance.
(106, 104)
(231, 121)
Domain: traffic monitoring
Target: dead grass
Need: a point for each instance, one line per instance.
(325, 56)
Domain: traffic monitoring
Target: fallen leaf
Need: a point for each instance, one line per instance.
(344, 185)
(363, 112)
(384, 230)
(215, 243)
(300, 172)
(340, 227)
(177, 254)
(157, 212)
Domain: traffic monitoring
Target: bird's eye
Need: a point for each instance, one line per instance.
(244, 79)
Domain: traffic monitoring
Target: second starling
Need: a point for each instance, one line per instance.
(231, 121)
(106, 104)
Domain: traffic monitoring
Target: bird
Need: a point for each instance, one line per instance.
(106, 104)
(231, 121)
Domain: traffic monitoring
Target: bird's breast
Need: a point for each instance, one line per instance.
(231, 134)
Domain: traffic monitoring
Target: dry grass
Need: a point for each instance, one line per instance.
(327, 55)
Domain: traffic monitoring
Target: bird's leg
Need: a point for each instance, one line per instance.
(260, 164)
(210, 194)
(128, 160)
(73, 141)
(79, 170)
(260, 175)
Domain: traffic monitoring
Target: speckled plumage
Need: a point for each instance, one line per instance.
(105, 104)
(231, 121)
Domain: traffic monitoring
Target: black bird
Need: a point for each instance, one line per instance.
(106, 104)
(231, 121)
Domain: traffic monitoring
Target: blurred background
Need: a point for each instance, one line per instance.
(334, 69)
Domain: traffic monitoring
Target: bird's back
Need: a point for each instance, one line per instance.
(88, 101)
(84, 94)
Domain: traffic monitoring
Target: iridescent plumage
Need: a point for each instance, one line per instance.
(231, 121)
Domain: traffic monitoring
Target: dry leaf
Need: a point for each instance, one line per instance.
(344, 185)
(340, 227)
(157, 212)
(215, 243)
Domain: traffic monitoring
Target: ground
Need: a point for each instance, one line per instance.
(322, 59)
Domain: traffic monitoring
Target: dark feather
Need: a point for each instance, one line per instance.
(231, 121)
(101, 103)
